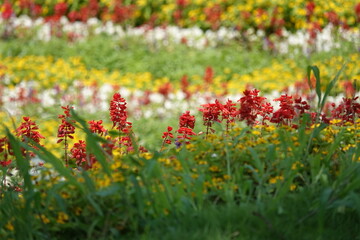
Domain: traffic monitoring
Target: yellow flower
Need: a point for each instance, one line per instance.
(9, 226)
(276, 179)
(62, 218)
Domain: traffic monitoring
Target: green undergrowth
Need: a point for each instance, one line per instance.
(249, 183)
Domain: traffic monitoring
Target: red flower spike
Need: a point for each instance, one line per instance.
(229, 112)
(187, 120)
(347, 110)
(118, 113)
(65, 130)
(211, 113)
(252, 105)
(82, 159)
(28, 131)
(286, 111)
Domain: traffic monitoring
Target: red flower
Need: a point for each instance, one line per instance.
(97, 127)
(211, 113)
(251, 105)
(185, 134)
(28, 131)
(74, 16)
(185, 86)
(165, 89)
(357, 12)
(208, 75)
(7, 11)
(310, 8)
(60, 9)
(167, 135)
(66, 128)
(229, 111)
(187, 120)
(301, 105)
(286, 111)
(181, 3)
(82, 159)
(347, 110)
(118, 113)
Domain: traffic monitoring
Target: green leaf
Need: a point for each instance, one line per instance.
(330, 86)
(316, 71)
(92, 144)
(22, 164)
(108, 191)
(58, 165)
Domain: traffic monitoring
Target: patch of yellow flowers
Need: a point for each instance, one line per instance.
(48, 72)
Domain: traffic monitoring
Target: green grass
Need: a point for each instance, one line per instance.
(131, 55)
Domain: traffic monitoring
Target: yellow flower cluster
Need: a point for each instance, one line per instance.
(48, 72)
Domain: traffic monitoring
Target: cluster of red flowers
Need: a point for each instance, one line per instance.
(97, 127)
(28, 132)
(78, 152)
(347, 110)
(253, 106)
(186, 126)
(185, 131)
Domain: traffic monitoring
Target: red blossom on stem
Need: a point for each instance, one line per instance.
(347, 110)
(211, 113)
(27, 131)
(229, 112)
(185, 134)
(118, 115)
(97, 127)
(286, 111)
(187, 120)
(301, 106)
(266, 111)
(82, 159)
(252, 105)
(167, 136)
(66, 130)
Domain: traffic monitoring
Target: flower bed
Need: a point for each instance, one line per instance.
(247, 150)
